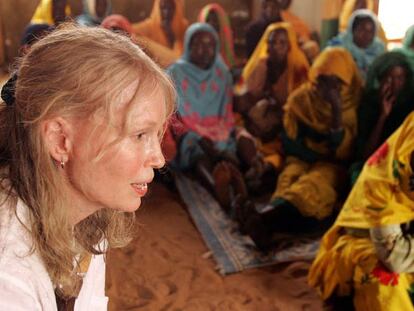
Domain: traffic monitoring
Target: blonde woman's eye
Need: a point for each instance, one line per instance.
(140, 136)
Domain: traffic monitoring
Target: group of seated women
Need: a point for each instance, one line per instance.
(299, 131)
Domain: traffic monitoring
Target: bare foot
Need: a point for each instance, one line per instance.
(237, 180)
(222, 182)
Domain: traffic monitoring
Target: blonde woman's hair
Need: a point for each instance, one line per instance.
(73, 72)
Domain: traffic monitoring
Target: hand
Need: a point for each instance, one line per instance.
(329, 88)
(387, 99)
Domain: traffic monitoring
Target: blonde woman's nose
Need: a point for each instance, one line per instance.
(157, 159)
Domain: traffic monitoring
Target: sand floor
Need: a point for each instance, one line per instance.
(167, 267)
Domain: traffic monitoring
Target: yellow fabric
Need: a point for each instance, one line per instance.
(151, 29)
(306, 106)
(346, 265)
(311, 188)
(381, 196)
(349, 7)
(43, 13)
(272, 152)
(299, 26)
(297, 62)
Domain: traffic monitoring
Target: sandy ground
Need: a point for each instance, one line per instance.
(167, 267)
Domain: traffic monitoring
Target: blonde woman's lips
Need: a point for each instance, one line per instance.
(140, 188)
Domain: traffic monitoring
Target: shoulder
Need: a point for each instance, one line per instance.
(24, 280)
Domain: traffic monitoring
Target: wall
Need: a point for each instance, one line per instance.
(15, 15)
(309, 10)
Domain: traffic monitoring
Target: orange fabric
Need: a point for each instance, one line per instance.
(299, 26)
(150, 28)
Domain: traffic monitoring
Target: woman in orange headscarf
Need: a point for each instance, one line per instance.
(162, 33)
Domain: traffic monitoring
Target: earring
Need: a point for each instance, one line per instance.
(62, 164)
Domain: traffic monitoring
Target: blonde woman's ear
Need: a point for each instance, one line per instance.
(58, 137)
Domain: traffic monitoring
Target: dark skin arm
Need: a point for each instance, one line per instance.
(243, 103)
(387, 101)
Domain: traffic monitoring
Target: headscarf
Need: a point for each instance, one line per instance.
(305, 106)
(204, 96)
(363, 57)
(151, 26)
(43, 13)
(348, 7)
(406, 46)
(369, 110)
(301, 29)
(383, 194)
(117, 21)
(226, 35)
(89, 17)
(296, 59)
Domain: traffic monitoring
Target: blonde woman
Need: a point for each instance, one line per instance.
(80, 139)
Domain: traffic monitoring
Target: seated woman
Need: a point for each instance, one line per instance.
(51, 12)
(361, 40)
(207, 142)
(320, 127)
(94, 12)
(276, 68)
(215, 15)
(408, 46)
(387, 100)
(350, 6)
(162, 33)
(368, 252)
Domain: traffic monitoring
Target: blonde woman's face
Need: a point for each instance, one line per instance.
(120, 178)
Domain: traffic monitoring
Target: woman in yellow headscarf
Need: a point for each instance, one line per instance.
(51, 12)
(162, 33)
(368, 253)
(320, 125)
(275, 69)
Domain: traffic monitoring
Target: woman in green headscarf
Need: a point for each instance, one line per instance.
(387, 100)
